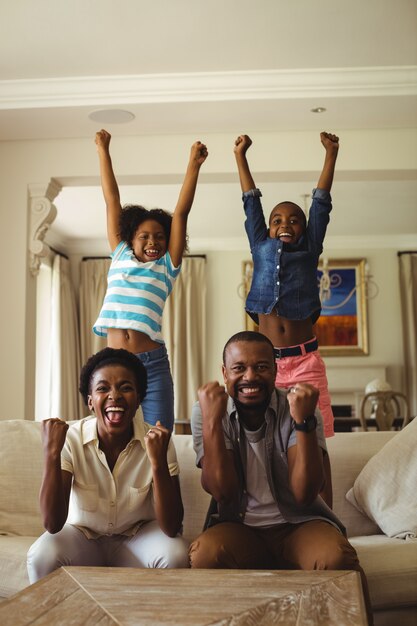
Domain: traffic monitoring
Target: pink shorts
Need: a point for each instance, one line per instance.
(307, 368)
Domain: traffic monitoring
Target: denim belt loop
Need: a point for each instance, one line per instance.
(152, 355)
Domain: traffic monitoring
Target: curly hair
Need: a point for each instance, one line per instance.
(111, 356)
(133, 215)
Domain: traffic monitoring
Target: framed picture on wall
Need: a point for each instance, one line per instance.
(342, 328)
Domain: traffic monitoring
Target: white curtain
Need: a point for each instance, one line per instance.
(184, 331)
(408, 288)
(63, 342)
(66, 399)
(43, 340)
(93, 284)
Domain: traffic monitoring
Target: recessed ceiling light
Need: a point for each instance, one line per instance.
(318, 110)
(111, 116)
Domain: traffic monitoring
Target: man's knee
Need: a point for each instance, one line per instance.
(215, 549)
(228, 546)
(319, 545)
(204, 553)
(338, 555)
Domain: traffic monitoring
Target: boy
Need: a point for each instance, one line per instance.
(284, 298)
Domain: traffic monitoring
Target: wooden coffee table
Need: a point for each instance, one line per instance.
(152, 597)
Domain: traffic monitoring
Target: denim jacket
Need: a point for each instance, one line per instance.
(285, 275)
(279, 436)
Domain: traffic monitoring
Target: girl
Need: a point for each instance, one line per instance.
(147, 249)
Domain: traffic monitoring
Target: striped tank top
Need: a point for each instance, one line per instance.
(136, 293)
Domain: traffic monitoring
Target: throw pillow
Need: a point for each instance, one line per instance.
(385, 490)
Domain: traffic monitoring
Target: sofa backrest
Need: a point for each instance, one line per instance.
(349, 453)
(21, 464)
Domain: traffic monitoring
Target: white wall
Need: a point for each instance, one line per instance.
(225, 309)
(26, 162)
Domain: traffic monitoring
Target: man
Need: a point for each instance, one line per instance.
(261, 454)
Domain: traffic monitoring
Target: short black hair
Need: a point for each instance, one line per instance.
(111, 356)
(248, 335)
(296, 206)
(133, 215)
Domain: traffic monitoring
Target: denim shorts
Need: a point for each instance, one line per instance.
(159, 399)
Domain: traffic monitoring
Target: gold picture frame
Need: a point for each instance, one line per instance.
(342, 328)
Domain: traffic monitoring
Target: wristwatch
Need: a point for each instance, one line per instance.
(309, 424)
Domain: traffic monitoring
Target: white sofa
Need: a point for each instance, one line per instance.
(390, 564)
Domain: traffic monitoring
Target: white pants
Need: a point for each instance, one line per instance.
(150, 547)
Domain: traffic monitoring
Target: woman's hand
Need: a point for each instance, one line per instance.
(156, 442)
(53, 433)
(56, 483)
(166, 488)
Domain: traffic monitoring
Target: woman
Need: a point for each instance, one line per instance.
(110, 493)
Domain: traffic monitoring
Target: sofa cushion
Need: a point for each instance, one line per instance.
(21, 462)
(13, 572)
(385, 489)
(391, 569)
(349, 453)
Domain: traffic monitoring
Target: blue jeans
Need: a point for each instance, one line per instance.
(159, 399)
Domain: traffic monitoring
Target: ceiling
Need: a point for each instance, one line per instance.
(193, 67)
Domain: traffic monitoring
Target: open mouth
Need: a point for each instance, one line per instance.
(250, 391)
(152, 253)
(285, 236)
(114, 414)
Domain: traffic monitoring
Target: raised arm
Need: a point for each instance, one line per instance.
(331, 145)
(56, 483)
(109, 187)
(242, 143)
(305, 459)
(166, 488)
(178, 236)
(219, 477)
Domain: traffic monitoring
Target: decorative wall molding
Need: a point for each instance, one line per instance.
(100, 247)
(370, 242)
(42, 213)
(209, 86)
